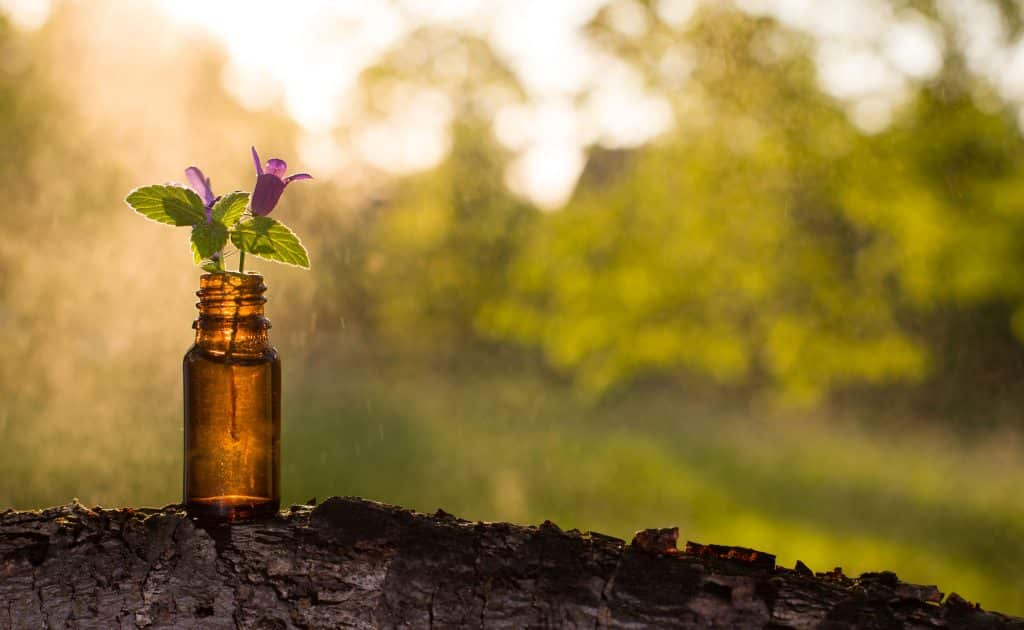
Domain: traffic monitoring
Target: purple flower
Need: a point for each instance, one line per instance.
(201, 185)
(270, 184)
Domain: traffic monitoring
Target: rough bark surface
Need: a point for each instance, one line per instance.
(354, 563)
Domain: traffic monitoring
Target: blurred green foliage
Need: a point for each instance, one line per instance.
(443, 245)
(768, 240)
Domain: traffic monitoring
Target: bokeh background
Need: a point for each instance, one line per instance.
(751, 268)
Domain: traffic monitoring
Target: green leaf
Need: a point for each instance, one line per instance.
(210, 266)
(230, 207)
(270, 239)
(173, 205)
(207, 239)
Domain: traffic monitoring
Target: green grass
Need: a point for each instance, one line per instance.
(501, 444)
(828, 492)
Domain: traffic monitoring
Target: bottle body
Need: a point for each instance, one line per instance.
(232, 379)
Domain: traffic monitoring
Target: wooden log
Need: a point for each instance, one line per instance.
(354, 563)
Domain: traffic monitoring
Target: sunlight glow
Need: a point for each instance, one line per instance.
(549, 138)
(314, 51)
(319, 48)
(27, 14)
(547, 172)
(912, 46)
(414, 138)
(676, 12)
(621, 113)
(307, 60)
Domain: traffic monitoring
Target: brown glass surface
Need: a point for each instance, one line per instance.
(232, 379)
(232, 508)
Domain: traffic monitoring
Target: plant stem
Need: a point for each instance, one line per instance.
(241, 261)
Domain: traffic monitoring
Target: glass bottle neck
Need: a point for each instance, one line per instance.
(231, 321)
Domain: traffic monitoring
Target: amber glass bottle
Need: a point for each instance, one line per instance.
(232, 403)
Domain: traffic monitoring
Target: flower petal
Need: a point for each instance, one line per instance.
(200, 184)
(292, 178)
(256, 161)
(266, 193)
(276, 167)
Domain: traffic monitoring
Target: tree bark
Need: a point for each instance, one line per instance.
(355, 563)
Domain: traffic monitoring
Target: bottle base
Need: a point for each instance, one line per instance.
(231, 508)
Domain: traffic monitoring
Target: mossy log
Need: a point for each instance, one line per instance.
(354, 563)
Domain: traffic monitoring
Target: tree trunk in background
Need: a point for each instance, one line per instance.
(355, 563)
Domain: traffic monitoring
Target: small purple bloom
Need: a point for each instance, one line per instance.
(201, 185)
(270, 184)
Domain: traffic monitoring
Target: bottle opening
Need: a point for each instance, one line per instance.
(231, 320)
(231, 295)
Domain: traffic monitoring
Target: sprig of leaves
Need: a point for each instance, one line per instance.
(229, 220)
